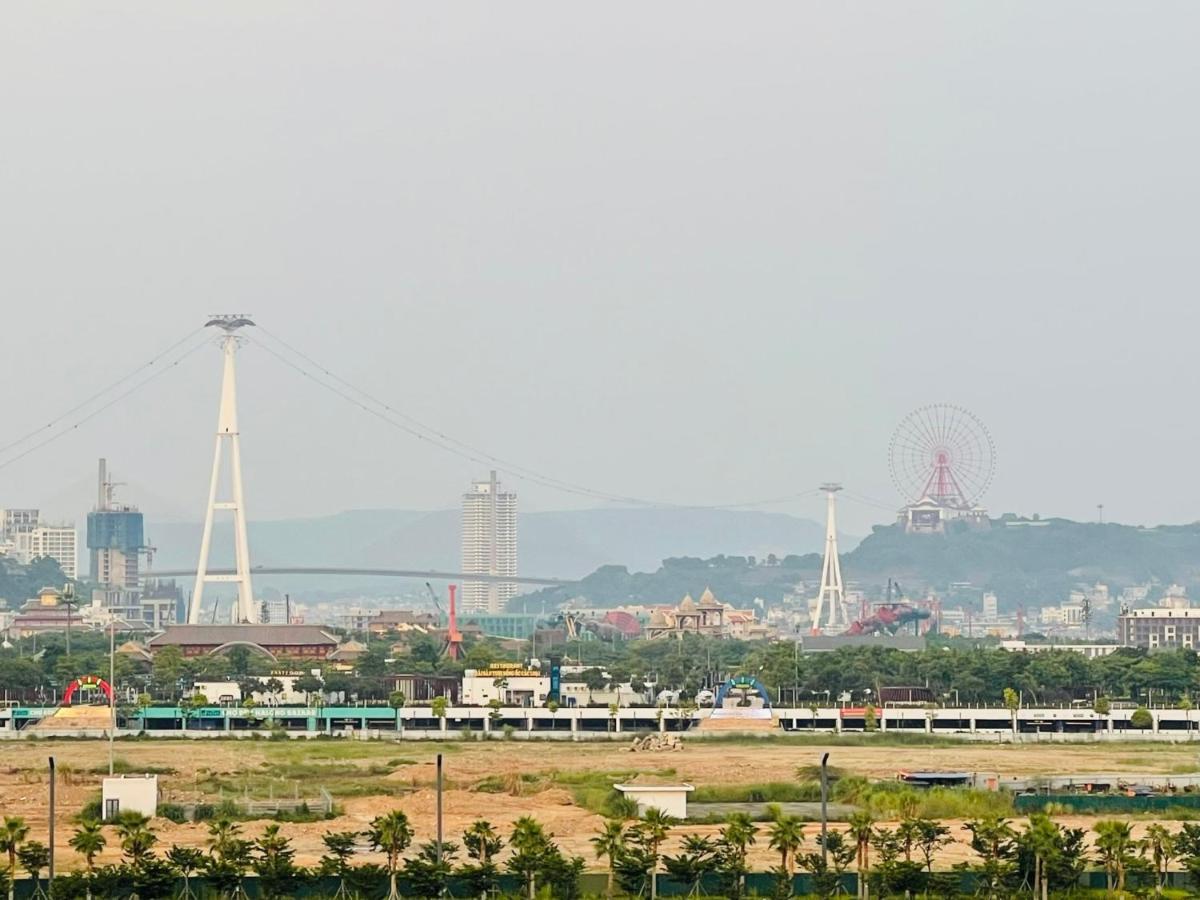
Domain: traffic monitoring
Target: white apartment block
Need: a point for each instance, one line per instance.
(17, 521)
(55, 541)
(489, 545)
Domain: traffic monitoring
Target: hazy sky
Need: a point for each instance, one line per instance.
(694, 252)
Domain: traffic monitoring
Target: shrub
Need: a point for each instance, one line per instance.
(172, 811)
(203, 812)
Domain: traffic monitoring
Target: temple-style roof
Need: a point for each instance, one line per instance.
(687, 604)
(265, 635)
(708, 601)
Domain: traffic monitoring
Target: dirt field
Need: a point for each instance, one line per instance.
(370, 778)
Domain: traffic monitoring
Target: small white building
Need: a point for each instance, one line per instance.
(129, 793)
(670, 798)
(512, 685)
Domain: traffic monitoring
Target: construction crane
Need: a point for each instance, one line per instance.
(437, 604)
(454, 638)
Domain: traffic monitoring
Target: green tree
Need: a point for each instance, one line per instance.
(438, 707)
(339, 849)
(187, 861)
(229, 857)
(1161, 845)
(167, 669)
(654, 828)
(995, 842)
(862, 828)
(88, 841)
(428, 872)
(144, 702)
(697, 860)
(391, 834)
(308, 685)
(786, 837)
(594, 680)
(396, 700)
(137, 840)
(34, 857)
(12, 836)
(531, 850)
(732, 848)
(1012, 702)
(482, 844)
(274, 864)
(825, 866)
(608, 844)
(1117, 850)
(1141, 719)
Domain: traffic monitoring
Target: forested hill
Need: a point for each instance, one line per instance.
(1023, 561)
(19, 583)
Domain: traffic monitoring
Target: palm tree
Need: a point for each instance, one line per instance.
(608, 845)
(137, 841)
(862, 828)
(1042, 838)
(737, 835)
(787, 836)
(12, 836)
(1161, 844)
(392, 834)
(529, 842)
(655, 827)
(1114, 842)
(88, 841)
(482, 843)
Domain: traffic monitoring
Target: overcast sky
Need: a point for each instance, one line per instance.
(698, 253)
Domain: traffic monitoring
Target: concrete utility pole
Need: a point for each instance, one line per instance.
(227, 433)
(832, 591)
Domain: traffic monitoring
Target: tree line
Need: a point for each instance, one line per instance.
(1034, 859)
(956, 671)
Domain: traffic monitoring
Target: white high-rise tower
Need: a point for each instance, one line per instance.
(832, 591)
(227, 433)
(489, 546)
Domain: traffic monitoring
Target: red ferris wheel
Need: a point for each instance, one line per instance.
(942, 453)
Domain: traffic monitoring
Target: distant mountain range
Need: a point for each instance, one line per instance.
(552, 544)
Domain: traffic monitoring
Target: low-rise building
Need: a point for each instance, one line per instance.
(511, 684)
(1154, 628)
(129, 793)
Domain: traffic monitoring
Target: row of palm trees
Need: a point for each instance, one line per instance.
(1034, 859)
(229, 858)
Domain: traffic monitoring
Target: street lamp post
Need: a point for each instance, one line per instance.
(824, 807)
(112, 687)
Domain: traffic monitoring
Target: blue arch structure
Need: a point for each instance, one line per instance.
(742, 681)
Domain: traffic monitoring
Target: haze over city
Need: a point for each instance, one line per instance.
(692, 255)
(661, 450)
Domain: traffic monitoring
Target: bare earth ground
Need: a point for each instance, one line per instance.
(404, 775)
